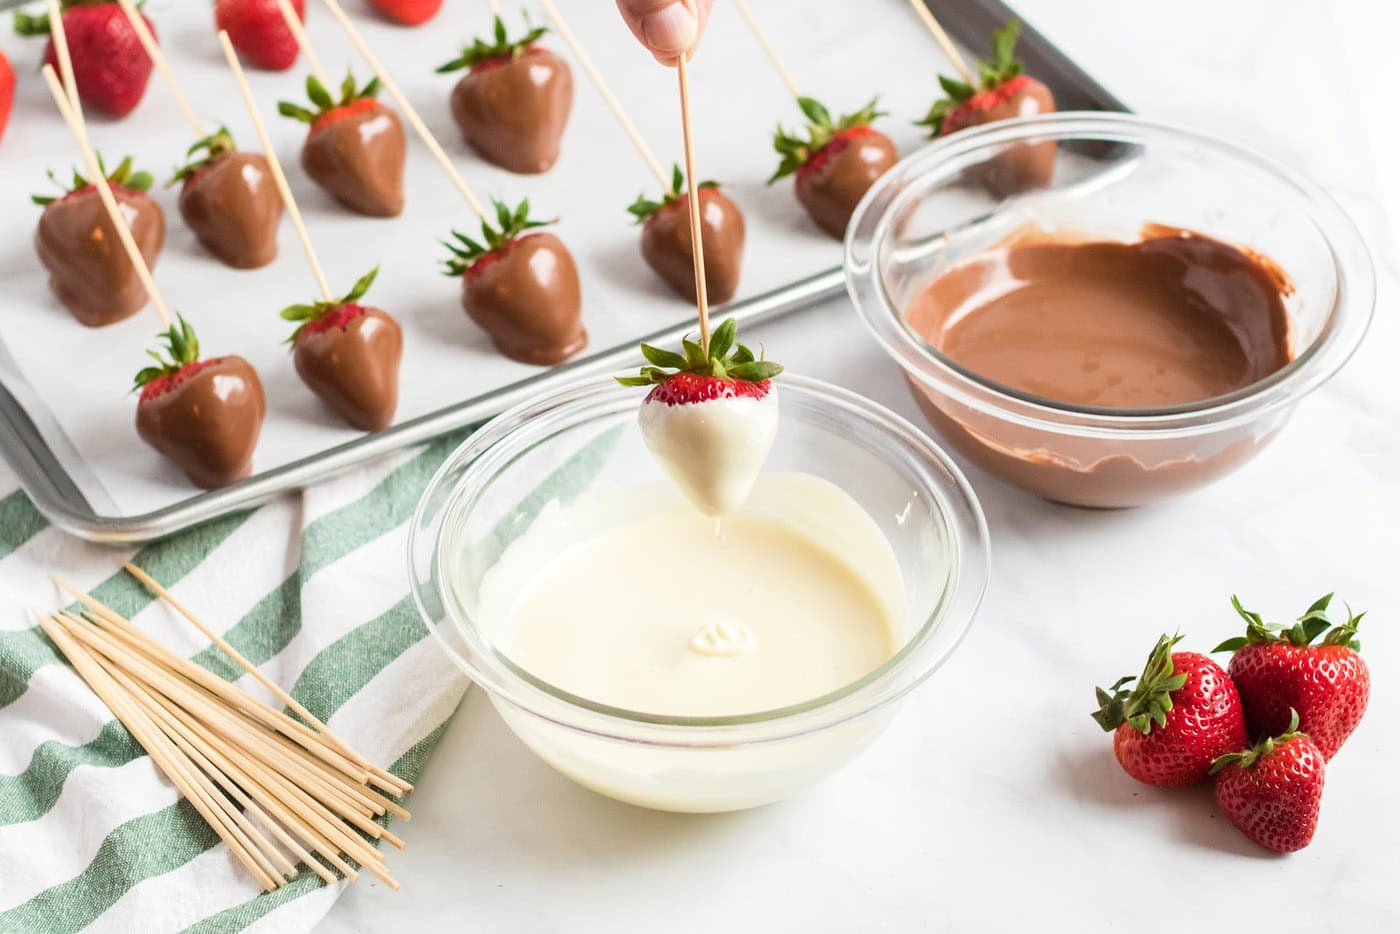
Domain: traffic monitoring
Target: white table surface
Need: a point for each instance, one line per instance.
(994, 802)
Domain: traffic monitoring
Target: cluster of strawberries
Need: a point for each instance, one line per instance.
(1187, 720)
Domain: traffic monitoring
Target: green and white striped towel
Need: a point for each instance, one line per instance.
(313, 589)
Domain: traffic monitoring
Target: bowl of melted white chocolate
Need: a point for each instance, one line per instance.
(702, 608)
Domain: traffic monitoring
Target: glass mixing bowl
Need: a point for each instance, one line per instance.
(1114, 173)
(585, 437)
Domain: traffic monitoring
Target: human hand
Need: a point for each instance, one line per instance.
(666, 28)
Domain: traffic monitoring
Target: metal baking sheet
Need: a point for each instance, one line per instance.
(65, 421)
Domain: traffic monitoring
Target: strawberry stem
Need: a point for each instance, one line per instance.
(1246, 758)
(643, 207)
(1002, 66)
(183, 348)
(316, 92)
(1313, 623)
(123, 175)
(214, 147)
(305, 314)
(820, 129)
(1150, 701)
(509, 225)
(502, 47)
(727, 359)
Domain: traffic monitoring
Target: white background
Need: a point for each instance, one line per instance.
(994, 803)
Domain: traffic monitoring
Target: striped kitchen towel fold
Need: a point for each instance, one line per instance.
(312, 589)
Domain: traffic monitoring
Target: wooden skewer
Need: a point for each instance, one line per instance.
(628, 127)
(697, 245)
(65, 60)
(148, 42)
(298, 31)
(495, 7)
(324, 732)
(280, 179)
(941, 37)
(767, 45)
(104, 191)
(409, 113)
(122, 705)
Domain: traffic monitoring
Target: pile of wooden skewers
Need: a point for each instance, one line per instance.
(253, 772)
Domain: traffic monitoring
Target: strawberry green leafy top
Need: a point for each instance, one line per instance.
(214, 147)
(1147, 703)
(727, 359)
(1308, 627)
(317, 93)
(821, 129)
(32, 25)
(1246, 758)
(122, 175)
(644, 207)
(509, 225)
(503, 47)
(313, 311)
(183, 347)
(1002, 66)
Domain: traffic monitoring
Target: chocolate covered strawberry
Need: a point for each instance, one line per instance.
(110, 66)
(666, 241)
(520, 287)
(88, 269)
(259, 31)
(835, 163)
(408, 12)
(204, 415)
(348, 354)
(1182, 714)
(1280, 670)
(1002, 92)
(1273, 791)
(7, 92)
(514, 101)
(230, 201)
(355, 147)
(710, 417)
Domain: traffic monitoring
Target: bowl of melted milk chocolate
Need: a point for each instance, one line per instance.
(1140, 324)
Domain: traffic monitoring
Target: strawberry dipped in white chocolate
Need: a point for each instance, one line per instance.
(710, 418)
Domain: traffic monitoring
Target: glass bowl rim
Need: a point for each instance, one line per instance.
(958, 511)
(1348, 320)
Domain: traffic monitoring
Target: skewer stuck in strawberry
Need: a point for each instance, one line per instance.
(514, 101)
(666, 244)
(229, 200)
(1273, 791)
(348, 354)
(709, 419)
(1182, 714)
(520, 287)
(836, 162)
(355, 148)
(1280, 673)
(1003, 92)
(77, 243)
(204, 415)
(110, 66)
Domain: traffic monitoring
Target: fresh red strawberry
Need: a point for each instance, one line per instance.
(521, 287)
(710, 417)
(355, 148)
(1183, 713)
(259, 32)
(408, 12)
(204, 415)
(109, 65)
(1002, 93)
(835, 163)
(1272, 791)
(7, 92)
(1279, 670)
(348, 354)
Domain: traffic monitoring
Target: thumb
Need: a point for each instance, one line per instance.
(665, 27)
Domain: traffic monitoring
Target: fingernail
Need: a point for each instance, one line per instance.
(671, 29)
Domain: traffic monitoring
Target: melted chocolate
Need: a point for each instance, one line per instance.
(208, 423)
(1173, 319)
(526, 296)
(359, 160)
(513, 111)
(354, 367)
(1021, 166)
(88, 268)
(666, 245)
(233, 208)
(832, 184)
